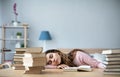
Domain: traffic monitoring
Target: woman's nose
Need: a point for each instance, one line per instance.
(53, 60)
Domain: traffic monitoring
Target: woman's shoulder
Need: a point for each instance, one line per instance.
(78, 51)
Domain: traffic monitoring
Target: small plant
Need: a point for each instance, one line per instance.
(22, 45)
(19, 34)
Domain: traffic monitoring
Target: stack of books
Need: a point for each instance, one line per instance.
(112, 61)
(34, 62)
(18, 59)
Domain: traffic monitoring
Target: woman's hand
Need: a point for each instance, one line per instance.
(102, 66)
(62, 66)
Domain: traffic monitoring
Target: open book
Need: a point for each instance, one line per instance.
(85, 68)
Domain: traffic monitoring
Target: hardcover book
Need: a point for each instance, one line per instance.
(113, 66)
(113, 59)
(33, 70)
(112, 62)
(112, 70)
(114, 51)
(112, 55)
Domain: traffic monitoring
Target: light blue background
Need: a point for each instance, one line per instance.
(72, 23)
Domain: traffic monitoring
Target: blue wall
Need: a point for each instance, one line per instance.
(0, 18)
(0, 24)
(0, 10)
(72, 23)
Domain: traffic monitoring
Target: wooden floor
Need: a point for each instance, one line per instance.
(53, 73)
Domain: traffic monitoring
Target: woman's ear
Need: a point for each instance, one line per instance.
(59, 53)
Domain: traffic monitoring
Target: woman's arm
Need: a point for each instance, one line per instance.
(61, 66)
(50, 67)
(85, 59)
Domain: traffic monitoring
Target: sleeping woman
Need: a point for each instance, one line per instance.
(75, 58)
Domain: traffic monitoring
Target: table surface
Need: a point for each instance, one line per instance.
(53, 73)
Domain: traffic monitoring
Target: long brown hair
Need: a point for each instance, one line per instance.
(65, 59)
(72, 53)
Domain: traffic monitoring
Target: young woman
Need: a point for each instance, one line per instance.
(77, 57)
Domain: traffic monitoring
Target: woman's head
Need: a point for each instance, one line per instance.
(53, 57)
(56, 57)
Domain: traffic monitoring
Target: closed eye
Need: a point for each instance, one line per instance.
(49, 62)
(51, 56)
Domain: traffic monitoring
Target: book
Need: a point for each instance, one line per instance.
(112, 70)
(34, 70)
(18, 55)
(113, 66)
(114, 51)
(112, 55)
(34, 55)
(18, 59)
(20, 52)
(20, 49)
(112, 59)
(29, 55)
(32, 62)
(30, 59)
(112, 62)
(35, 64)
(30, 50)
(85, 68)
(18, 67)
(17, 62)
(34, 50)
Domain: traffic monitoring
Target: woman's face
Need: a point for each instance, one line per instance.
(53, 59)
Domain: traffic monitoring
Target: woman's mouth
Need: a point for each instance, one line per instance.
(56, 61)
